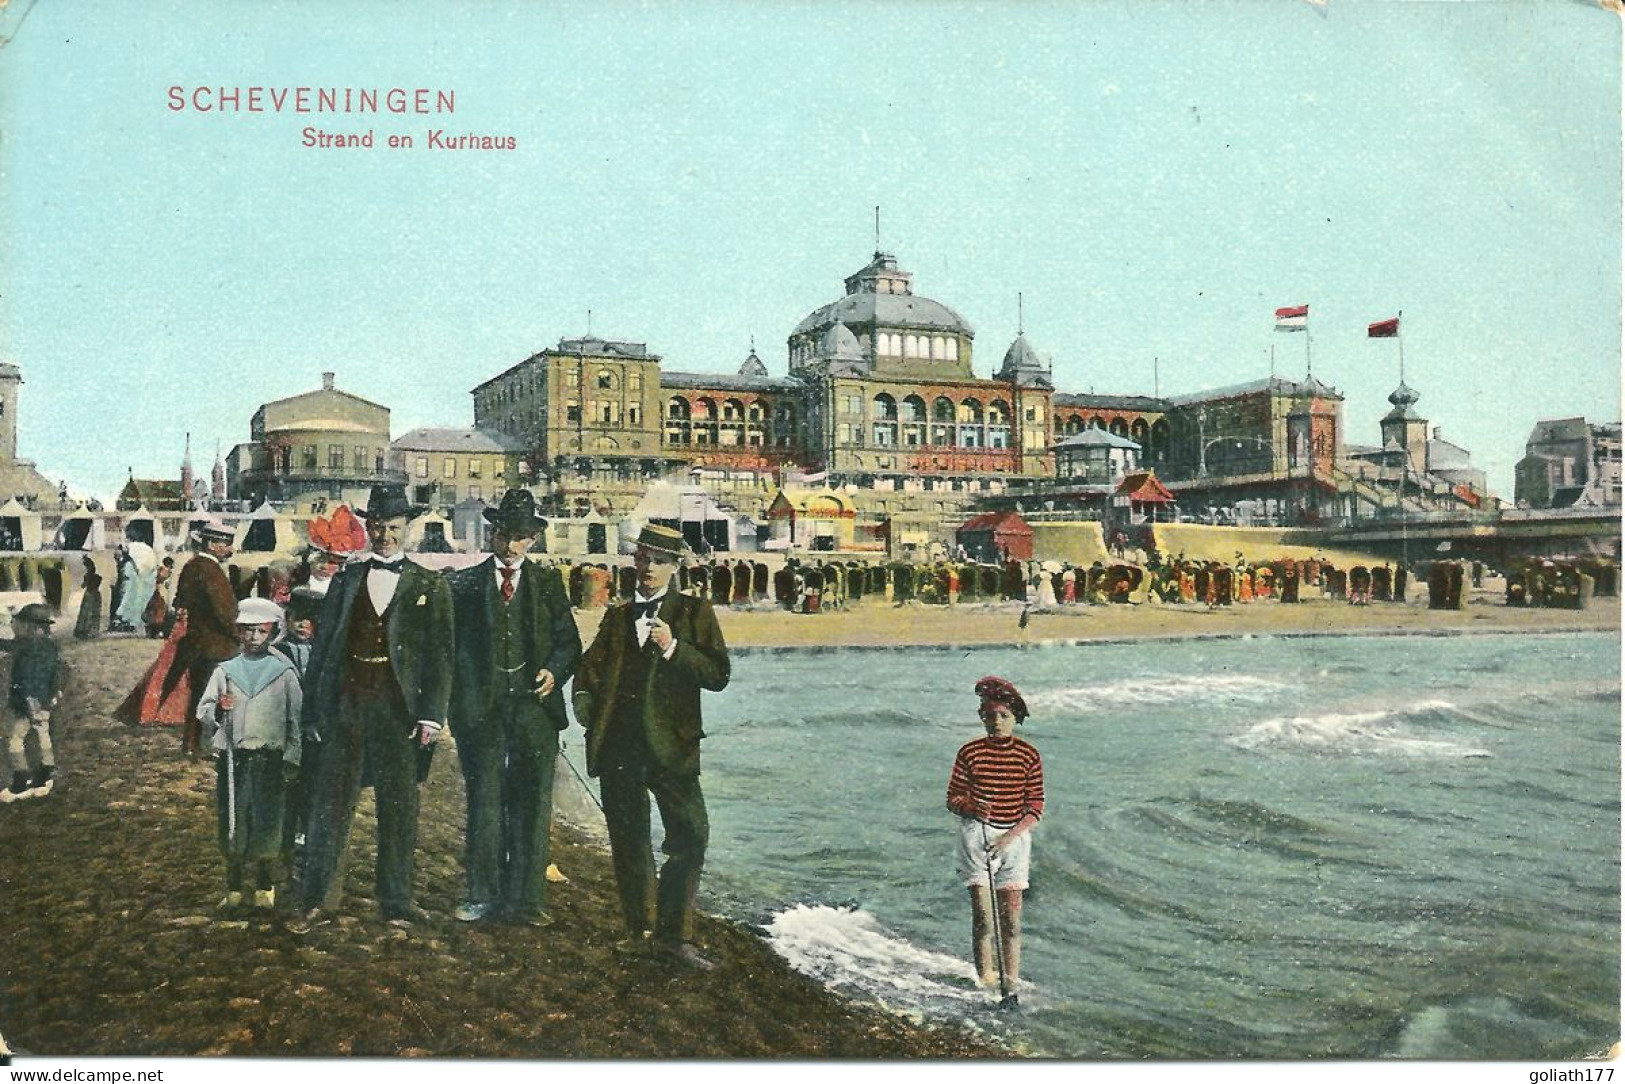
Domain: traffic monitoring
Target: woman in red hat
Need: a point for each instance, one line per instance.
(997, 790)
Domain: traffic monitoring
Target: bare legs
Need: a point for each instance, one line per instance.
(981, 927)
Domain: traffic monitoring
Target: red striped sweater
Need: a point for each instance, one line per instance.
(1005, 774)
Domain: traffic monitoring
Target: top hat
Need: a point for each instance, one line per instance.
(661, 541)
(517, 513)
(35, 613)
(388, 501)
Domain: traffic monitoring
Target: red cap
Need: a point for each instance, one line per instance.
(996, 690)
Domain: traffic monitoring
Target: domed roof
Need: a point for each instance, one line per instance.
(888, 310)
(753, 365)
(1023, 365)
(1403, 395)
(880, 294)
(839, 342)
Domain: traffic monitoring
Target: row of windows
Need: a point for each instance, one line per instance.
(360, 458)
(918, 435)
(475, 468)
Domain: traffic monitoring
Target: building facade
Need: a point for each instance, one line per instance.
(445, 467)
(321, 447)
(1569, 463)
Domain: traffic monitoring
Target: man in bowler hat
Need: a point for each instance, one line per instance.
(376, 691)
(637, 693)
(517, 645)
(203, 594)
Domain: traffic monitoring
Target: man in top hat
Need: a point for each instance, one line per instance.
(637, 693)
(376, 689)
(204, 596)
(517, 645)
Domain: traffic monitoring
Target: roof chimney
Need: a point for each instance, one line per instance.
(1436, 433)
(327, 381)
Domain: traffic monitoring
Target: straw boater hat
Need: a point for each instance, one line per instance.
(35, 613)
(387, 500)
(517, 513)
(258, 611)
(661, 542)
(210, 528)
(996, 690)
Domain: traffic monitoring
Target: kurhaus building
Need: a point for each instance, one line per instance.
(882, 394)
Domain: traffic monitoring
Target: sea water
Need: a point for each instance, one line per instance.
(1267, 847)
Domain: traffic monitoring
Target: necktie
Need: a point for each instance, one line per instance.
(507, 582)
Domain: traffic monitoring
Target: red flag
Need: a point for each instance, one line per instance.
(1383, 329)
(1295, 318)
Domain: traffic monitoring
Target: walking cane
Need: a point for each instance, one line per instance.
(1007, 997)
(231, 782)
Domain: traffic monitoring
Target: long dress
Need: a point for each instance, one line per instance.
(89, 625)
(149, 703)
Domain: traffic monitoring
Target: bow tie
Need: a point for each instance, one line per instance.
(647, 607)
(381, 565)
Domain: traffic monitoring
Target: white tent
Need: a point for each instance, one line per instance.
(140, 525)
(21, 528)
(268, 531)
(81, 529)
(429, 533)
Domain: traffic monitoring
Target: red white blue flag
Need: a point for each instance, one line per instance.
(1292, 319)
(1383, 329)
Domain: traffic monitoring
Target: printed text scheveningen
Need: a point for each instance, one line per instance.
(236, 99)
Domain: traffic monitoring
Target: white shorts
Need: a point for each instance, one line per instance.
(1010, 869)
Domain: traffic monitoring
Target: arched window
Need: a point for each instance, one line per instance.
(913, 417)
(998, 424)
(884, 428)
(1119, 427)
(607, 380)
(971, 434)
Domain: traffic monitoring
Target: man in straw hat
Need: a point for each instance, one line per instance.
(376, 688)
(638, 696)
(203, 596)
(517, 645)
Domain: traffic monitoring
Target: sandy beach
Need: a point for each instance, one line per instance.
(113, 944)
(873, 624)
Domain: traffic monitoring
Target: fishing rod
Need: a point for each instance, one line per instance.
(1007, 997)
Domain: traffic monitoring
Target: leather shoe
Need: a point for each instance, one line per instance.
(473, 912)
(307, 921)
(537, 919)
(402, 918)
(686, 955)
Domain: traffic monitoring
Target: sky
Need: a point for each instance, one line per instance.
(1154, 179)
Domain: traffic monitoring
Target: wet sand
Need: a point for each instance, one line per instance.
(111, 943)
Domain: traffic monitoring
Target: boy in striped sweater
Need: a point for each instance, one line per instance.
(997, 790)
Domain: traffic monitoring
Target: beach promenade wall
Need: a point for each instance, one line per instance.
(1200, 542)
(1077, 542)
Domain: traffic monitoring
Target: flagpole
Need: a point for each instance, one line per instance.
(1308, 363)
(1399, 333)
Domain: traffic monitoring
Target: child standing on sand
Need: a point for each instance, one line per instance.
(997, 789)
(36, 684)
(252, 702)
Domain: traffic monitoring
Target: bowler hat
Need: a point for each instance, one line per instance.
(303, 603)
(388, 501)
(661, 541)
(36, 613)
(516, 514)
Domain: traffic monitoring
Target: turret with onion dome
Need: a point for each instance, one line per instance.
(889, 330)
(1403, 429)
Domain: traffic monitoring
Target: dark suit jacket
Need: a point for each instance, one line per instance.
(667, 701)
(203, 590)
(548, 628)
(419, 629)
